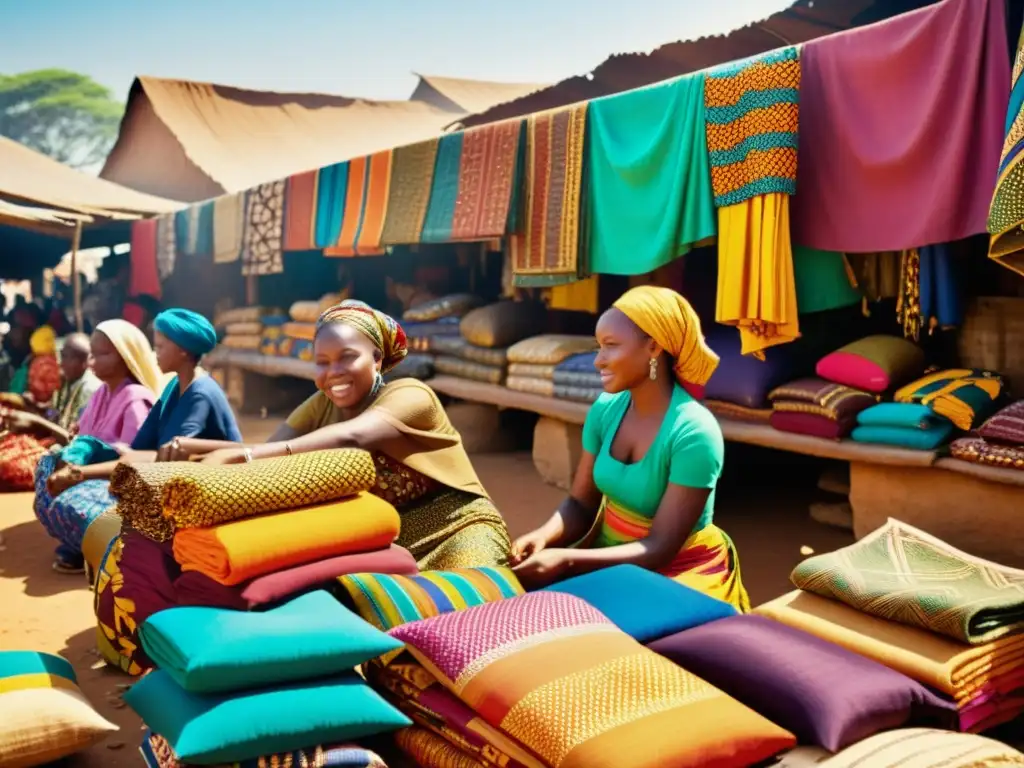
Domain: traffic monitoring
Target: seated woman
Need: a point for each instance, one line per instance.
(27, 432)
(128, 379)
(652, 455)
(448, 521)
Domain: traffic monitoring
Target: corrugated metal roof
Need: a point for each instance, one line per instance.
(804, 20)
(240, 138)
(26, 176)
(470, 96)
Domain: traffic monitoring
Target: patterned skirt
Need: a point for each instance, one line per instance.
(19, 455)
(67, 517)
(455, 529)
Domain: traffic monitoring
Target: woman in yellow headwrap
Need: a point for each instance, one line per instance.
(652, 455)
(448, 521)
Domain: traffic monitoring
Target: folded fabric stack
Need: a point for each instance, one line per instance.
(964, 396)
(547, 679)
(272, 333)
(910, 748)
(914, 604)
(237, 536)
(575, 378)
(906, 425)
(240, 315)
(457, 357)
(417, 365)
(532, 361)
(273, 688)
(437, 317)
(422, 336)
(818, 408)
(999, 442)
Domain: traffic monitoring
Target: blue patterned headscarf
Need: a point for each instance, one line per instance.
(189, 330)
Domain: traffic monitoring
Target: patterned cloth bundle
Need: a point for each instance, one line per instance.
(918, 606)
(999, 442)
(533, 361)
(456, 356)
(576, 378)
(817, 407)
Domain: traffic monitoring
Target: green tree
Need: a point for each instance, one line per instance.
(63, 114)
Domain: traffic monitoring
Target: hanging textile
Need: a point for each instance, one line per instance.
(877, 274)
(412, 174)
(901, 129)
(144, 279)
(547, 251)
(488, 172)
(264, 221)
(166, 245)
(649, 183)
(908, 300)
(751, 113)
(444, 191)
(942, 298)
(756, 284)
(824, 280)
(332, 188)
(300, 205)
(1006, 214)
(228, 226)
(369, 179)
(580, 296)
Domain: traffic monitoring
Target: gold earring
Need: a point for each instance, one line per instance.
(654, 369)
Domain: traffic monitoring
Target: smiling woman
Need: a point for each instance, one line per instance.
(448, 521)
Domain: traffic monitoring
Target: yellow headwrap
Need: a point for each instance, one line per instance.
(669, 319)
(134, 348)
(43, 341)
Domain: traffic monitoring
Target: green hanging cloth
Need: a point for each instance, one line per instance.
(822, 280)
(648, 197)
(19, 381)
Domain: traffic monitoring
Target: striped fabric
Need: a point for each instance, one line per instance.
(390, 601)
(43, 715)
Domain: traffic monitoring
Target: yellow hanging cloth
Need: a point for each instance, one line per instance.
(756, 286)
(579, 296)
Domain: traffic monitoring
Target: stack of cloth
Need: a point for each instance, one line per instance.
(999, 442)
(239, 536)
(817, 408)
(296, 337)
(532, 362)
(913, 603)
(575, 378)
(436, 317)
(479, 351)
(272, 688)
(964, 396)
(273, 332)
(242, 327)
(422, 336)
(905, 425)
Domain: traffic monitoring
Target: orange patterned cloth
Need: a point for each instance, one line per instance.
(300, 211)
(232, 553)
(531, 665)
(366, 205)
(43, 378)
(488, 173)
(19, 455)
(751, 119)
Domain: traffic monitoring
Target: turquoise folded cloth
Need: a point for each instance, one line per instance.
(902, 415)
(84, 450)
(227, 728)
(212, 650)
(927, 439)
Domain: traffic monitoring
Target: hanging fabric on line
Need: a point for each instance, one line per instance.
(901, 128)
(332, 189)
(412, 174)
(264, 222)
(366, 201)
(1006, 214)
(144, 278)
(547, 251)
(489, 173)
(300, 203)
(751, 112)
(166, 245)
(228, 227)
(194, 229)
(648, 197)
(444, 190)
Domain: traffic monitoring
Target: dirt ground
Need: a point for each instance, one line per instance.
(45, 611)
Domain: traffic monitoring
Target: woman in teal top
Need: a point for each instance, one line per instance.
(652, 456)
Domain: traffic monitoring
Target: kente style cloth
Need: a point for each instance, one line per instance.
(366, 199)
(188, 330)
(157, 753)
(547, 251)
(883, 106)
(1006, 213)
(412, 175)
(902, 574)
(262, 238)
(751, 117)
(985, 681)
(649, 197)
(383, 330)
(158, 498)
(674, 326)
(965, 396)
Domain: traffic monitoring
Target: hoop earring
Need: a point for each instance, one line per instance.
(654, 369)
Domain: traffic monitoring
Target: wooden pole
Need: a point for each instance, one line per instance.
(76, 242)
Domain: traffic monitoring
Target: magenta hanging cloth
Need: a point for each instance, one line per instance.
(901, 125)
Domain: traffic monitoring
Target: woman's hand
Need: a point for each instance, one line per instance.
(225, 456)
(528, 545)
(179, 449)
(543, 568)
(64, 478)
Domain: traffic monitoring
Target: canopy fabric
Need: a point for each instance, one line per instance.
(469, 95)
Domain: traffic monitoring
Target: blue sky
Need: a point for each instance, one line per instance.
(352, 47)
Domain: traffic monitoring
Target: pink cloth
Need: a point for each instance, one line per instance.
(145, 276)
(901, 126)
(115, 417)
